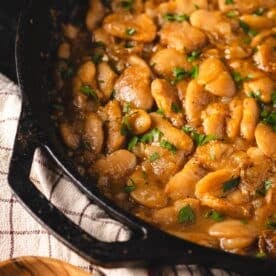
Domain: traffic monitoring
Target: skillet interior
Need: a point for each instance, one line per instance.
(35, 48)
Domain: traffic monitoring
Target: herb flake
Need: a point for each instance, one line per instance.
(130, 186)
(153, 157)
(154, 135)
(169, 146)
(198, 138)
(176, 17)
(132, 143)
(186, 215)
(214, 215)
(231, 184)
(89, 91)
(194, 55)
(130, 31)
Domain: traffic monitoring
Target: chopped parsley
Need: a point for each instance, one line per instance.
(186, 215)
(175, 108)
(67, 73)
(239, 79)
(246, 28)
(255, 95)
(273, 98)
(271, 222)
(125, 126)
(265, 187)
(98, 44)
(259, 12)
(198, 138)
(160, 111)
(86, 145)
(195, 72)
(130, 186)
(229, 2)
(214, 215)
(169, 146)
(89, 91)
(127, 4)
(132, 143)
(232, 14)
(180, 74)
(231, 184)
(126, 107)
(260, 255)
(154, 156)
(129, 45)
(176, 17)
(269, 118)
(130, 31)
(196, 6)
(194, 55)
(97, 58)
(154, 135)
(58, 107)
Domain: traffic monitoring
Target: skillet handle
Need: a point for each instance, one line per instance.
(134, 251)
(156, 247)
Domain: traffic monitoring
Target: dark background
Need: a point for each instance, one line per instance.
(9, 13)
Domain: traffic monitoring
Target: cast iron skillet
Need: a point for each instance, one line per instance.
(35, 45)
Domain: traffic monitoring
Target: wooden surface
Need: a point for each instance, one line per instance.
(36, 266)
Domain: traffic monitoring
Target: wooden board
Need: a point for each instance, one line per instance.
(38, 266)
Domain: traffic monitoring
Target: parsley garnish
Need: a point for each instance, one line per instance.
(194, 55)
(132, 143)
(167, 145)
(154, 156)
(196, 6)
(260, 255)
(271, 222)
(97, 58)
(89, 91)
(186, 215)
(160, 111)
(176, 17)
(128, 45)
(175, 108)
(67, 73)
(229, 2)
(269, 118)
(130, 31)
(260, 11)
(265, 187)
(232, 14)
(198, 138)
(214, 215)
(98, 44)
(126, 107)
(58, 107)
(180, 74)
(127, 4)
(273, 98)
(194, 72)
(86, 145)
(125, 127)
(130, 186)
(231, 184)
(239, 79)
(256, 95)
(154, 135)
(246, 28)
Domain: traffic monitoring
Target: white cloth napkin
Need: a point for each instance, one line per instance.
(21, 235)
